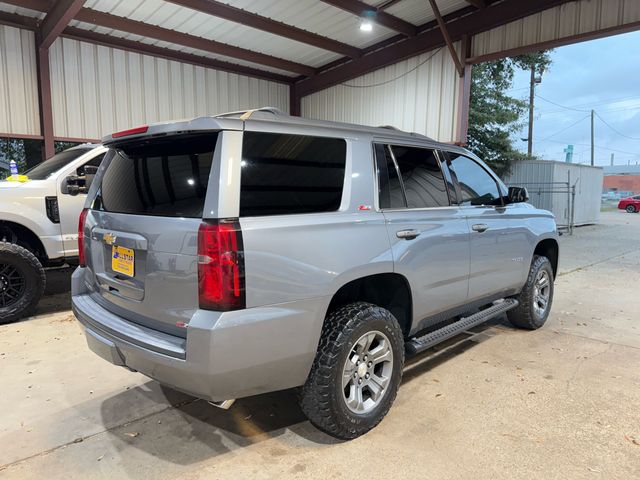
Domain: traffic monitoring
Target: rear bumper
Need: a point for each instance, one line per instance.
(225, 355)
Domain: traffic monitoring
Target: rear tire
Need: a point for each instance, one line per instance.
(631, 209)
(536, 297)
(22, 281)
(357, 371)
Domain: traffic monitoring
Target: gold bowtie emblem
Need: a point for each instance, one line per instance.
(109, 238)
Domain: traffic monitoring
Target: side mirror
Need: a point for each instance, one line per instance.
(518, 195)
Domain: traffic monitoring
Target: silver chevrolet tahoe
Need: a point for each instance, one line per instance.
(250, 252)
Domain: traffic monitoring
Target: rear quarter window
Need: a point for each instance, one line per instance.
(289, 174)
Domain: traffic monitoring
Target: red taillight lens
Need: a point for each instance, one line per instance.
(131, 131)
(81, 257)
(221, 265)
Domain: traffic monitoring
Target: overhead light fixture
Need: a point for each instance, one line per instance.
(366, 25)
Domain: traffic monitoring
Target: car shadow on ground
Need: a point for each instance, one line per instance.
(192, 430)
(57, 292)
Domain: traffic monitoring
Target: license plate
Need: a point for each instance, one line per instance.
(122, 260)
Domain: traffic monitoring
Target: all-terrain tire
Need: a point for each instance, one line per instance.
(526, 315)
(322, 396)
(20, 267)
(631, 209)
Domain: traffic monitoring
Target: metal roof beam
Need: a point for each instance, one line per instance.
(20, 21)
(253, 20)
(470, 24)
(122, 24)
(447, 37)
(359, 8)
(56, 20)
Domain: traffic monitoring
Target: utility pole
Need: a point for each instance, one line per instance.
(593, 113)
(612, 159)
(532, 93)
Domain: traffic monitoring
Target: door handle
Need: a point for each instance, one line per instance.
(407, 234)
(480, 227)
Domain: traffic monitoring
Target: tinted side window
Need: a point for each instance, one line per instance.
(390, 192)
(285, 174)
(423, 181)
(160, 177)
(476, 185)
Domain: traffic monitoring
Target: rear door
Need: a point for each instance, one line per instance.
(499, 245)
(428, 234)
(143, 227)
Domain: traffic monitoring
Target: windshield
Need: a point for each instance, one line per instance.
(47, 168)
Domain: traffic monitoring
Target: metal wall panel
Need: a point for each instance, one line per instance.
(19, 112)
(425, 100)
(97, 90)
(569, 19)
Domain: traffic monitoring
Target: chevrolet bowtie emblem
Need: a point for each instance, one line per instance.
(109, 238)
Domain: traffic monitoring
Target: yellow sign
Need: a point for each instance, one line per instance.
(123, 260)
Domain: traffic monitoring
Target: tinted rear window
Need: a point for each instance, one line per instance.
(160, 177)
(284, 174)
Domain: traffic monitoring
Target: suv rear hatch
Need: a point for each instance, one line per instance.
(142, 245)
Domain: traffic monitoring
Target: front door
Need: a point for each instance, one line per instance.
(499, 249)
(70, 207)
(429, 236)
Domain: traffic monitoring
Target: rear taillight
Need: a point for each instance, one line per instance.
(81, 257)
(221, 265)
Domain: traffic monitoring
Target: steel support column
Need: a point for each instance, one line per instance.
(464, 93)
(295, 104)
(44, 98)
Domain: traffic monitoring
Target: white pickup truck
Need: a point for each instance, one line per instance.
(39, 225)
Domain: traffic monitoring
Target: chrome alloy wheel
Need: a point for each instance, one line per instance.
(367, 372)
(541, 293)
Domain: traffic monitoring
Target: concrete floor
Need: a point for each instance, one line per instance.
(561, 402)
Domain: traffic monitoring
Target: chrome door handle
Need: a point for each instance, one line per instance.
(480, 227)
(407, 234)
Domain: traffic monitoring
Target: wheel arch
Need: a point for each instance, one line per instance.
(387, 290)
(13, 232)
(549, 248)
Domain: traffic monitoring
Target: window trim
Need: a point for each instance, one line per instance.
(456, 182)
(388, 145)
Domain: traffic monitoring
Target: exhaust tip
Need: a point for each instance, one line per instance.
(224, 404)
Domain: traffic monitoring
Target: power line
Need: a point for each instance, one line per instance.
(565, 129)
(615, 130)
(635, 154)
(559, 105)
(398, 77)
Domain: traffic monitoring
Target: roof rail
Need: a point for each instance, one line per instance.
(396, 129)
(246, 114)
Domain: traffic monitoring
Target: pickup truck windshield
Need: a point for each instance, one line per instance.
(55, 163)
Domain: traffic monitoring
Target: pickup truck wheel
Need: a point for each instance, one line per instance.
(22, 282)
(356, 372)
(536, 296)
(631, 209)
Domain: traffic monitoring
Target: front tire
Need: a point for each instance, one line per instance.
(536, 296)
(22, 281)
(631, 209)
(357, 371)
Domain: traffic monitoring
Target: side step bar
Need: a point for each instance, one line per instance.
(419, 344)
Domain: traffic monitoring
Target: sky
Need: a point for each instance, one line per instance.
(603, 75)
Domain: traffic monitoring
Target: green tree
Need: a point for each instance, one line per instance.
(494, 116)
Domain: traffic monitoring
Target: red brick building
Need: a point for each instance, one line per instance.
(622, 178)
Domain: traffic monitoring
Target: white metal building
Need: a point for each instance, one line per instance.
(76, 70)
(571, 191)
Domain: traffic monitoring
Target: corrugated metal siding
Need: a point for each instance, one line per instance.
(556, 23)
(97, 90)
(423, 101)
(547, 185)
(18, 82)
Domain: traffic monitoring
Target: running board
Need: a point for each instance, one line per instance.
(419, 344)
